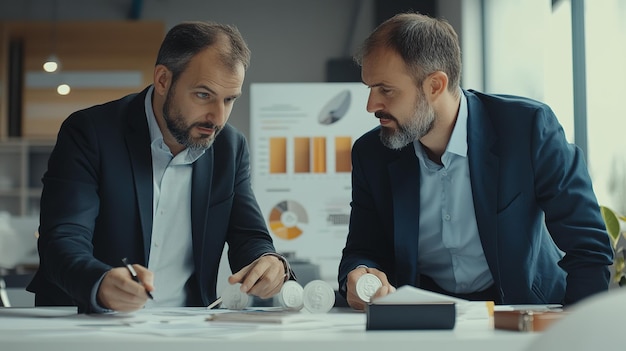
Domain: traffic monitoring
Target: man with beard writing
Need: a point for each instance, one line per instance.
(161, 179)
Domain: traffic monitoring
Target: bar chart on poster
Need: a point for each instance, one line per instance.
(301, 138)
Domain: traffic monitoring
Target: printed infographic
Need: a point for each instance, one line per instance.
(301, 138)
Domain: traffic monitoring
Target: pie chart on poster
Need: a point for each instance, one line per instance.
(285, 217)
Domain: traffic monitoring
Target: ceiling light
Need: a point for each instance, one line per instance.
(52, 64)
(63, 89)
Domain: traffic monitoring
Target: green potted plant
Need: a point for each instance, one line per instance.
(613, 222)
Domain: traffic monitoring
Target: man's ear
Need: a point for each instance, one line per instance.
(162, 79)
(435, 85)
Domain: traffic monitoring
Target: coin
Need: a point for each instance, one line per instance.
(318, 296)
(367, 285)
(291, 296)
(233, 298)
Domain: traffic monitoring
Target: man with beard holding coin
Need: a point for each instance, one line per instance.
(159, 179)
(472, 195)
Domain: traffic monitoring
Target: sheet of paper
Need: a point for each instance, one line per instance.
(465, 309)
(410, 294)
(276, 317)
(41, 312)
(530, 307)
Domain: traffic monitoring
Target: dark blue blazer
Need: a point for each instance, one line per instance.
(96, 205)
(538, 219)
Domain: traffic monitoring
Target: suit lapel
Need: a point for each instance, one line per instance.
(201, 181)
(138, 142)
(483, 165)
(404, 176)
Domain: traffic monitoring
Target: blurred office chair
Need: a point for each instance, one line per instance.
(18, 257)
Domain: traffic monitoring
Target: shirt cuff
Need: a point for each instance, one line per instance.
(289, 274)
(95, 306)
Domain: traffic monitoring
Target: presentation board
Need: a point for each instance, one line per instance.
(301, 139)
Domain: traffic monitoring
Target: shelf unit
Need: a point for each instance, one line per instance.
(22, 164)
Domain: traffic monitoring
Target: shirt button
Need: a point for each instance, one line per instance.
(444, 173)
(446, 217)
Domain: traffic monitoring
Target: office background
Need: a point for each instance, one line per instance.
(568, 53)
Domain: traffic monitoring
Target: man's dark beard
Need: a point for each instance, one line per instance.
(182, 132)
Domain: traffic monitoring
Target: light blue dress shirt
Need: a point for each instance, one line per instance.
(449, 249)
(171, 256)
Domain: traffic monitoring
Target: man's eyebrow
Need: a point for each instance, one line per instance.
(205, 87)
(376, 85)
(202, 86)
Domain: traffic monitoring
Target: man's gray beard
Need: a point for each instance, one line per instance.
(420, 124)
(395, 140)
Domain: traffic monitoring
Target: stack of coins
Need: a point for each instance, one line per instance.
(318, 296)
(367, 285)
(290, 296)
(233, 298)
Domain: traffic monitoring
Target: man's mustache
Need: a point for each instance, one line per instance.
(207, 126)
(381, 114)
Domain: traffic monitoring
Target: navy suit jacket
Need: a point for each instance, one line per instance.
(96, 205)
(538, 219)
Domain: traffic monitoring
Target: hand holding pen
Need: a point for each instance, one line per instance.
(133, 273)
(119, 291)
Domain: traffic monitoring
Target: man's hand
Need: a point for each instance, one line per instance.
(119, 292)
(351, 296)
(264, 277)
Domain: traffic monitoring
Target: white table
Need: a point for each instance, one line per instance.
(186, 329)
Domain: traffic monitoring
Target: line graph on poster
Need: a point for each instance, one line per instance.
(286, 219)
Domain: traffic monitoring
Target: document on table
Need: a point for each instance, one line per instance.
(39, 312)
(465, 309)
(532, 307)
(63, 322)
(176, 321)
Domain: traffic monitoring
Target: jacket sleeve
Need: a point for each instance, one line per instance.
(370, 236)
(564, 191)
(248, 237)
(69, 207)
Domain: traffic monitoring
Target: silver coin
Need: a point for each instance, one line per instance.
(233, 298)
(318, 296)
(367, 285)
(291, 296)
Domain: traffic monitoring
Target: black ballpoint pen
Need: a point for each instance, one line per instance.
(133, 273)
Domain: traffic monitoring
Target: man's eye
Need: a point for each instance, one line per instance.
(202, 95)
(230, 100)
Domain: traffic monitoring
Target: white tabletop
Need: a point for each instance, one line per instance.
(186, 329)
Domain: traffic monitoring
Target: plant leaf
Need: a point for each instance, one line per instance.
(611, 222)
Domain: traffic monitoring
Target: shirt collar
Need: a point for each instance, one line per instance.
(458, 139)
(156, 137)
